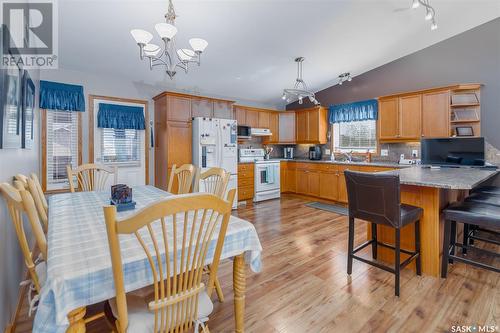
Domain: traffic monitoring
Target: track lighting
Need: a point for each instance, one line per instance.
(434, 25)
(345, 77)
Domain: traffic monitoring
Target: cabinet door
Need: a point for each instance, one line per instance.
(291, 180)
(313, 126)
(178, 108)
(410, 115)
(263, 119)
(302, 120)
(342, 188)
(201, 107)
(388, 119)
(179, 143)
(313, 179)
(436, 115)
(252, 118)
(302, 181)
(223, 109)
(286, 129)
(328, 188)
(240, 116)
(273, 127)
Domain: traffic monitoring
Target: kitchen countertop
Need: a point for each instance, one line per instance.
(447, 178)
(375, 164)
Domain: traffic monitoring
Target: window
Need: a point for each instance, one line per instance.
(62, 137)
(358, 136)
(120, 146)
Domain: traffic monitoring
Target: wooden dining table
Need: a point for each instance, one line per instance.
(79, 270)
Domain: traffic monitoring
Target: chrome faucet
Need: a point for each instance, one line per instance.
(348, 156)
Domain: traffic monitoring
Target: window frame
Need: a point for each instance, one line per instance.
(44, 148)
(373, 150)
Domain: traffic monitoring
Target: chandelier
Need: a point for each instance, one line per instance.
(299, 90)
(170, 57)
(430, 13)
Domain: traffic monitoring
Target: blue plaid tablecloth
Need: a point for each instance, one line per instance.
(79, 271)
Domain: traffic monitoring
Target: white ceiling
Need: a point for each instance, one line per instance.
(252, 43)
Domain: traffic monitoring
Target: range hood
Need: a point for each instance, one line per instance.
(260, 132)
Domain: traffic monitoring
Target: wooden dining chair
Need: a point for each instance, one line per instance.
(19, 203)
(22, 178)
(90, 177)
(183, 176)
(213, 181)
(41, 204)
(184, 225)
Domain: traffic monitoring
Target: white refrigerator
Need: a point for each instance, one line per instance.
(215, 145)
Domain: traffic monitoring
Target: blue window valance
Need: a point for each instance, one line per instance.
(357, 111)
(61, 96)
(120, 117)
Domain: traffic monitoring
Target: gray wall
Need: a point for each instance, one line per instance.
(12, 268)
(470, 57)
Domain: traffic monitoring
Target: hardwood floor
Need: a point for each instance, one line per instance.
(304, 286)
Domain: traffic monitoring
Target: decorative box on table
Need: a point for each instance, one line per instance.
(121, 197)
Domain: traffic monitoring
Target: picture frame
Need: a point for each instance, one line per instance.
(28, 111)
(10, 104)
(464, 131)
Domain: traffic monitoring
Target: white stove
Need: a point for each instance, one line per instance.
(266, 174)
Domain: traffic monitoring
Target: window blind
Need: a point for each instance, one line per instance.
(121, 146)
(62, 147)
(356, 135)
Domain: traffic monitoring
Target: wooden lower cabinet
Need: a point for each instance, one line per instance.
(321, 180)
(245, 181)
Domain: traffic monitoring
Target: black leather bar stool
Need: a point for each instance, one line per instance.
(376, 198)
(487, 189)
(470, 232)
(470, 213)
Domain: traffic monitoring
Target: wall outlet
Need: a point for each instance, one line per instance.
(327, 151)
(384, 152)
(414, 153)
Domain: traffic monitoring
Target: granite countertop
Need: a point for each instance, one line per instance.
(380, 164)
(448, 178)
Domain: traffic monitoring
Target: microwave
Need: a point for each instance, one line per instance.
(244, 132)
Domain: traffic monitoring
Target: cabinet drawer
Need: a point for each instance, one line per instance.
(328, 167)
(245, 167)
(245, 193)
(247, 181)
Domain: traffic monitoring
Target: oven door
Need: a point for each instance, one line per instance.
(267, 177)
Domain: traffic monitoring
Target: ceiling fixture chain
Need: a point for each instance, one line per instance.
(300, 89)
(430, 12)
(169, 57)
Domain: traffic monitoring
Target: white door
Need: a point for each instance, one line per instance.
(109, 143)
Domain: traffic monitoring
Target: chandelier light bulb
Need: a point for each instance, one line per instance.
(198, 44)
(185, 54)
(415, 4)
(151, 50)
(428, 15)
(166, 30)
(434, 25)
(141, 36)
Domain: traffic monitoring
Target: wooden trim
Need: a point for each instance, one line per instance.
(252, 108)
(80, 138)
(173, 93)
(123, 100)
(465, 86)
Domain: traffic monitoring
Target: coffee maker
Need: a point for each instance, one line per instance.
(315, 153)
(288, 153)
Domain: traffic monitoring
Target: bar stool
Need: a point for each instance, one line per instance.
(469, 234)
(487, 189)
(376, 198)
(470, 213)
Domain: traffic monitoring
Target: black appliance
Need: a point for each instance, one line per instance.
(453, 151)
(315, 153)
(244, 132)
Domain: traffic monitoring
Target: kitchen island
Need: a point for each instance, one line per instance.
(433, 190)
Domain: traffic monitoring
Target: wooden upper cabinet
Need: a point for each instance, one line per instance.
(178, 108)
(388, 119)
(264, 119)
(274, 128)
(252, 118)
(223, 109)
(286, 129)
(202, 107)
(179, 140)
(240, 115)
(410, 108)
(302, 126)
(436, 114)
